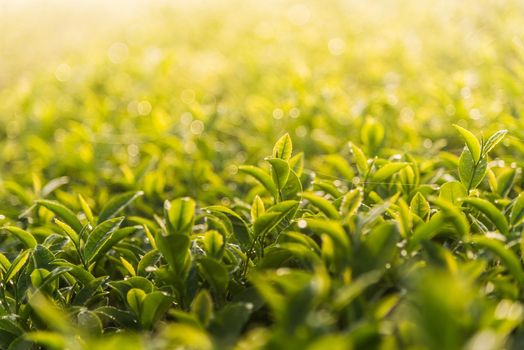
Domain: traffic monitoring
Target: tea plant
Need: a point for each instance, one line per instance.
(406, 257)
(249, 176)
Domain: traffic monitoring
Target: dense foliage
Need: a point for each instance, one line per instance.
(287, 189)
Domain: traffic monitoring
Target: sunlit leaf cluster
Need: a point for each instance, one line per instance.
(271, 177)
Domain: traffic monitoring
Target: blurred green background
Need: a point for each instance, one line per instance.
(170, 98)
(100, 91)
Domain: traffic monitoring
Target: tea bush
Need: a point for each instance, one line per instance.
(154, 200)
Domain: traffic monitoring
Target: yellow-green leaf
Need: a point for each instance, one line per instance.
(472, 142)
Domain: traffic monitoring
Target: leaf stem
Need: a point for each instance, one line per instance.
(473, 175)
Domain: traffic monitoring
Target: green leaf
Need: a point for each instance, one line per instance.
(214, 243)
(351, 202)
(332, 228)
(46, 339)
(419, 206)
(128, 266)
(296, 163)
(38, 276)
(257, 208)
(283, 148)
(47, 310)
(202, 307)
(150, 237)
(229, 321)
(180, 215)
(452, 192)
(377, 249)
(114, 238)
(404, 218)
(471, 173)
(53, 184)
(505, 180)
(62, 212)
(322, 204)
(299, 238)
(266, 223)
(491, 212)
(48, 281)
(287, 209)
(372, 134)
(292, 187)
(123, 286)
(346, 294)
(86, 294)
(280, 173)
(427, 230)
(123, 318)
(68, 230)
(8, 324)
(186, 336)
(117, 204)
(100, 235)
(387, 170)
(341, 165)
(472, 142)
(153, 307)
(134, 299)
(261, 176)
(17, 265)
(360, 159)
(328, 187)
(175, 249)
(25, 237)
(4, 263)
(508, 257)
(80, 273)
(493, 140)
(239, 225)
(86, 209)
(517, 212)
(214, 273)
(453, 215)
(149, 260)
(89, 322)
(42, 257)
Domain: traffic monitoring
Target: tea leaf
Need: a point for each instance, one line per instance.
(507, 256)
(517, 212)
(493, 140)
(471, 173)
(360, 159)
(86, 209)
(322, 204)
(452, 192)
(471, 142)
(283, 148)
(117, 204)
(257, 208)
(202, 307)
(180, 215)
(214, 273)
(280, 173)
(17, 265)
(260, 176)
(62, 212)
(491, 212)
(153, 307)
(419, 206)
(387, 170)
(100, 235)
(135, 298)
(25, 237)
